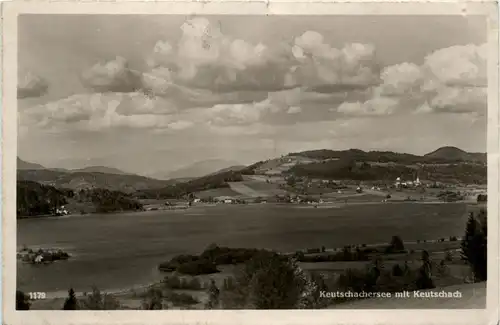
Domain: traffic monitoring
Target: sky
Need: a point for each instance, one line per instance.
(153, 93)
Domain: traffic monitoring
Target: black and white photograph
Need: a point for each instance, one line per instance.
(252, 162)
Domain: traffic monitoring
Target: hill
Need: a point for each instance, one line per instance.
(179, 190)
(346, 169)
(236, 168)
(22, 164)
(202, 168)
(456, 154)
(35, 199)
(85, 180)
(99, 169)
(441, 155)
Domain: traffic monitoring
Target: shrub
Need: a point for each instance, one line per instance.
(267, 281)
(213, 295)
(181, 299)
(153, 299)
(98, 301)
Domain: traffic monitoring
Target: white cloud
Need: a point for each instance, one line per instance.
(458, 65)
(114, 75)
(31, 85)
(375, 106)
(400, 79)
(294, 110)
(93, 112)
(319, 63)
(204, 57)
(451, 80)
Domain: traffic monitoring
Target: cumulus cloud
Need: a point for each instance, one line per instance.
(450, 80)
(318, 63)
(31, 85)
(94, 112)
(113, 76)
(375, 106)
(204, 57)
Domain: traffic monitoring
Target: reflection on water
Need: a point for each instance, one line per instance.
(122, 250)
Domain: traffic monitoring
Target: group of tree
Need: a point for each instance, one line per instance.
(37, 199)
(108, 201)
(481, 198)
(34, 199)
(352, 169)
(184, 189)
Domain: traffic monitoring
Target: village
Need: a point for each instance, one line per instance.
(276, 189)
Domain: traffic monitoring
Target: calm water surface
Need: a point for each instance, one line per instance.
(122, 250)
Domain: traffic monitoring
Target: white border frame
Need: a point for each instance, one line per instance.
(279, 7)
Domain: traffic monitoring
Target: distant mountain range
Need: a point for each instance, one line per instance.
(202, 168)
(22, 165)
(25, 165)
(315, 163)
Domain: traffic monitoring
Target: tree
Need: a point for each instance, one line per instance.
(71, 302)
(153, 299)
(22, 301)
(474, 245)
(396, 270)
(213, 295)
(424, 273)
(396, 244)
(98, 301)
(267, 281)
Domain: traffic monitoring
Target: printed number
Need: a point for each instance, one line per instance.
(37, 295)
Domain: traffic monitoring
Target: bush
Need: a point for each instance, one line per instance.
(181, 299)
(153, 299)
(213, 295)
(98, 301)
(267, 281)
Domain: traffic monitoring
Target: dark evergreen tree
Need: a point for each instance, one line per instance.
(22, 301)
(71, 302)
(474, 245)
(397, 271)
(397, 243)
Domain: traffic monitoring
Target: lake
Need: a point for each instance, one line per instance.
(116, 251)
